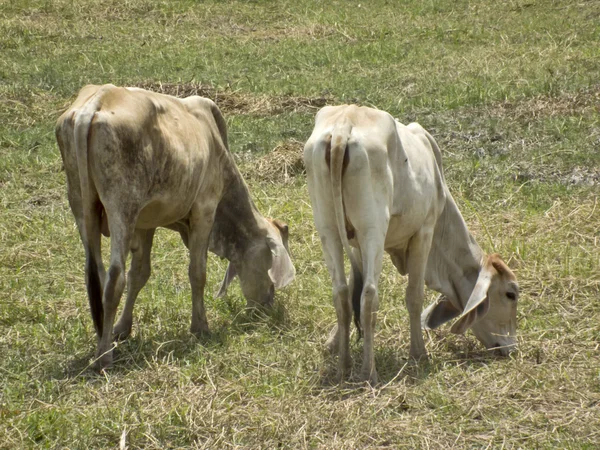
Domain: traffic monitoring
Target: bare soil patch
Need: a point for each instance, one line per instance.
(505, 127)
(577, 176)
(565, 104)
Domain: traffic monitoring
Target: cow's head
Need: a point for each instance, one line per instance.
(490, 312)
(265, 266)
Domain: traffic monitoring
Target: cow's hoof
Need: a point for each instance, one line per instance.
(200, 332)
(103, 362)
(344, 371)
(121, 331)
(370, 376)
(418, 357)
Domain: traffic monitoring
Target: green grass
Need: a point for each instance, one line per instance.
(509, 89)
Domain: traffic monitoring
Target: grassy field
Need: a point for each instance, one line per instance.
(511, 92)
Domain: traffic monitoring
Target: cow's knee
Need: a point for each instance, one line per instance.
(369, 300)
(340, 297)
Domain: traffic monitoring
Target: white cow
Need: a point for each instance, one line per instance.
(376, 184)
(137, 160)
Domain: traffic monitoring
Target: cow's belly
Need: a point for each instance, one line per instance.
(159, 213)
(177, 196)
(400, 229)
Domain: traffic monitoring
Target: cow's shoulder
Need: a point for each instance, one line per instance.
(206, 110)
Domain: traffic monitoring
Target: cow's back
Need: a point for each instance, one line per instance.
(419, 189)
(150, 150)
(370, 136)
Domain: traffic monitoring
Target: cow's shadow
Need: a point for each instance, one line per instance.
(174, 343)
(394, 365)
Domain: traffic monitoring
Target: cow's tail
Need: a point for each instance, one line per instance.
(339, 159)
(91, 213)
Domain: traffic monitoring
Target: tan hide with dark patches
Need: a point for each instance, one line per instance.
(137, 160)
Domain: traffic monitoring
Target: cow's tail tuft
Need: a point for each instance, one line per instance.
(357, 289)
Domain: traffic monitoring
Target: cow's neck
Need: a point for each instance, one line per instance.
(455, 258)
(237, 221)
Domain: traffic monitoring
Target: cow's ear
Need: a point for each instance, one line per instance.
(229, 276)
(284, 231)
(478, 304)
(282, 271)
(439, 313)
(467, 320)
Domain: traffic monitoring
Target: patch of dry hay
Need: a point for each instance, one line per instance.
(236, 102)
(282, 165)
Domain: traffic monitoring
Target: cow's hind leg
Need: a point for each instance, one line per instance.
(371, 244)
(121, 231)
(354, 282)
(418, 252)
(137, 277)
(339, 338)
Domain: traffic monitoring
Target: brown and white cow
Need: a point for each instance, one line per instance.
(377, 185)
(137, 160)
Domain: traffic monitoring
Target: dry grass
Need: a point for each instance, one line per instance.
(230, 27)
(582, 102)
(238, 102)
(282, 165)
(514, 106)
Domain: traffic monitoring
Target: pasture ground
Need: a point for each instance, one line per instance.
(509, 89)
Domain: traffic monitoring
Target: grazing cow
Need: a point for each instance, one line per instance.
(377, 185)
(137, 160)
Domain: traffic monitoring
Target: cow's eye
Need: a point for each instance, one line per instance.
(511, 295)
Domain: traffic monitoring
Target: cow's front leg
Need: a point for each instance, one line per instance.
(418, 252)
(201, 222)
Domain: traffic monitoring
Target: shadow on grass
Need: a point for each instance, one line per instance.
(394, 366)
(391, 367)
(468, 352)
(172, 344)
(274, 319)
